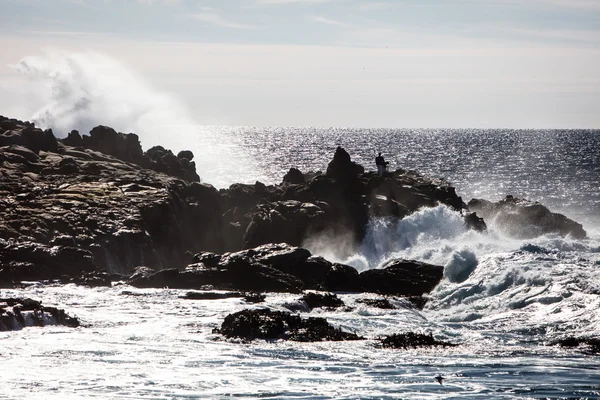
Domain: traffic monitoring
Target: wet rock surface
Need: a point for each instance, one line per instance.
(402, 278)
(18, 313)
(268, 324)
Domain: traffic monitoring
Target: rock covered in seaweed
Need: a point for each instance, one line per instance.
(412, 340)
(268, 324)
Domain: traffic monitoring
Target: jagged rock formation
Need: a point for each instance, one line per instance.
(97, 202)
(526, 219)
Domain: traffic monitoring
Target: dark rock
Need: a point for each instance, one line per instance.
(125, 147)
(294, 176)
(267, 324)
(472, 221)
(232, 273)
(17, 313)
(73, 139)
(207, 258)
(96, 279)
(343, 278)
(342, 167)
(377, 303)
(210, 295)
(588, 345)
(283, 221)
(187, 154)
(34, 261)
(312, 272)
(526, 219)
(402, 278)
(316, 300)
(412, 340)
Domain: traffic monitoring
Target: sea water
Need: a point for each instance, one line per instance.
(504, 301)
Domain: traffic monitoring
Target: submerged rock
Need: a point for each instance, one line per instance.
(267, 324)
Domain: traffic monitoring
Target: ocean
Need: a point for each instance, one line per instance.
(520, 297)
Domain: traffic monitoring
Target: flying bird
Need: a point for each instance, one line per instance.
(439, 378)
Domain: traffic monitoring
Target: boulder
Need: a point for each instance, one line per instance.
(317, 300)
(342, 278)
(402, 278)
(187, 154)
(524, 219)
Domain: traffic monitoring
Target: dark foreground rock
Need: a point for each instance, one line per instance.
(267, 324)
(526, 219)
(17, 313)
(412, 340)
(279, 267)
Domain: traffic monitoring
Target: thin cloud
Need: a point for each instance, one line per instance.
(587, 36)
(292, 1)
(212, 17)
(576, 4)
(152, 2)
(328, 21)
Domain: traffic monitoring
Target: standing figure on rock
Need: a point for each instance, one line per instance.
(380, 162)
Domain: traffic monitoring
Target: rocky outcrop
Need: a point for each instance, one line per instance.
(526, 219)
(71, 210)
(284, 268)
(18, 313)
(267, 324)
(97, 202)
(402, 278)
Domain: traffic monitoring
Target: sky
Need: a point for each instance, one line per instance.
(325, 63)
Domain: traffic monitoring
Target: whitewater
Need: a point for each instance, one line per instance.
(505, 301)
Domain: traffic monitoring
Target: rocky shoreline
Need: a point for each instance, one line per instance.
(96, 209)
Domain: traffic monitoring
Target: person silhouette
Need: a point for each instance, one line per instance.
(380, 162)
